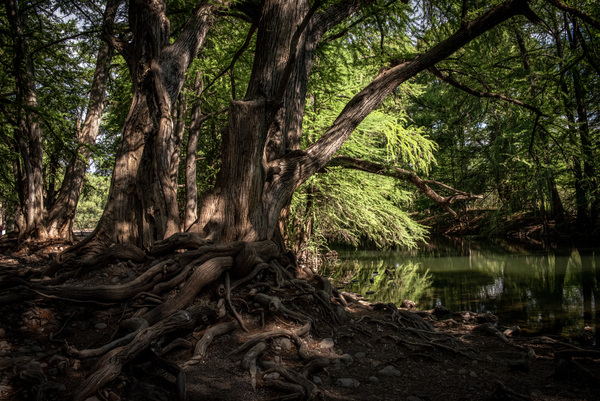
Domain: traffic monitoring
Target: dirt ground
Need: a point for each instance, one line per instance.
(375, 352)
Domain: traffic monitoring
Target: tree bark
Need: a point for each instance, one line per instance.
(28, 134)
(191, 182)
(142, 203)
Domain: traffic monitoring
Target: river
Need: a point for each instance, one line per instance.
(543, 291)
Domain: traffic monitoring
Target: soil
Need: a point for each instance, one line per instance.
(375, 351)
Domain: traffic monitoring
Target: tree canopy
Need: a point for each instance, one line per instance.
(459, 100)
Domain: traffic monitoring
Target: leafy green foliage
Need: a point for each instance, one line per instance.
(93, 199)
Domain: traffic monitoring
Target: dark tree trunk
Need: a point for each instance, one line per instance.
(28, 134)
(260, 169)
(142, 203)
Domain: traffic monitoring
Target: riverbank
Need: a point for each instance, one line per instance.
(490, 224)
(374, 351)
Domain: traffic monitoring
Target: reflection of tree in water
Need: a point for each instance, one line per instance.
(544, 293)
(384, 283)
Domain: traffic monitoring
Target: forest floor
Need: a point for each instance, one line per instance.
(377, 352)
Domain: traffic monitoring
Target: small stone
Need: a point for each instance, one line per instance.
(413, 398)
(374, 379)
(101, 326)
(462, 371)
(284, 343)
(24, 350)
(271, 376)
(347, 382)
(326, 343)
(390, 371)
(473, 374)
(346, 359)
(408, 304)
(2, 333)
(359, 355)
(36, 348)
(317, 380)
(114, 280)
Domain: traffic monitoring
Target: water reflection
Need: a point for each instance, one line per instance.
(542, 291)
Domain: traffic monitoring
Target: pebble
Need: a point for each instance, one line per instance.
(347, 382)
(463, 371)
(374, 379)
(359, 355)
(390, 371)
(326, 343)
(285, 343)
(36, 348)
(2, 333)
(271, 376)
(317, 380)
(473, 374)
(346, 359)
(101, 326)
(413, 398)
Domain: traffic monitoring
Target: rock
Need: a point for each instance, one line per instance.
(413, 398)
(347, 382)
(346, 359)
(2, 333)
(408, 304)
(326, 343)
(101, 326)
(37, 348)
(441, 310)
(512, 331)
(317, 380)
(359, 355)
(486, 318)
(271, 376)
(284, 343)
(463, 371)
(390, 371)
(374, 379)
(473, 374)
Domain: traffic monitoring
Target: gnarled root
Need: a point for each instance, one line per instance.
(110, 366)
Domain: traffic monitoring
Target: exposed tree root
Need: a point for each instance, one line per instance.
(267, 286)
(110, 365)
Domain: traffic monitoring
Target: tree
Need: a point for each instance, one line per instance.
(44, 211)
(263, 157)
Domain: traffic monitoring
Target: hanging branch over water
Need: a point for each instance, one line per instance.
(409, 176)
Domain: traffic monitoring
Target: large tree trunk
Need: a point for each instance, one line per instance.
(28, 134)
(256, 182)
(62, 213)
(142, 202)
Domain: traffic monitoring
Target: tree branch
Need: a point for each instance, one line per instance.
(194, 32)
(108, 23)
(396, 172)
(449, 80)
(573, 11)
(298, 166)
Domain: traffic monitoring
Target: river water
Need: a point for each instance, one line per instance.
(543, 291)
